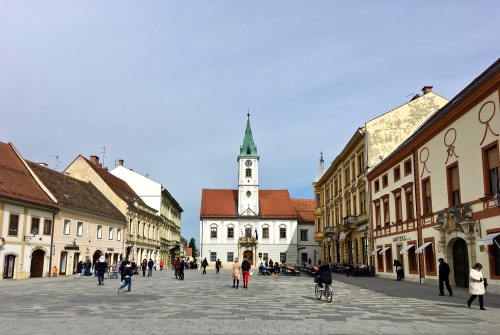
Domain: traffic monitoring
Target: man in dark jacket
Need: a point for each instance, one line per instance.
(324, 274)
(444, 273)
(101, 267)
(204, 265)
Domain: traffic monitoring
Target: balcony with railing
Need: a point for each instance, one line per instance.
(329, 231)
(350, 220)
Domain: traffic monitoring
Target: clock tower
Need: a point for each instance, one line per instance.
(248, 176)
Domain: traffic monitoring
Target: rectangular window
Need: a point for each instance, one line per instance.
(385, 180)
(79, 229)
(398, 208)
(490, 162)
(388, 259)
(318, 199)
(110, 233)
(118, 234)
(378, 217)
(67, 227)
(453, 185)
(230, 232)
(409, 206)
(282, 257)
(353, 170)
(230, 257)
(407, 165)
(248, 173)
(213, 257)
(13, 224)
(283, 232)
(248, 232)
(387, 217)
(265, 232)
(348, 206)
(376, 185)
(35, 225)
(303, 234)
(265, 256)
(362, 204)
(213, 232)
(430, 258)
(426, 191)
(412, 258)
(47, 226)
(99, 232)
(380, 260)
(397, 173)
(354, 209)
(361, 164)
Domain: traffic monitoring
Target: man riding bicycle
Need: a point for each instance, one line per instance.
(324, 275)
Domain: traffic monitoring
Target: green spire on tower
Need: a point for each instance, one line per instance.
(248, 148)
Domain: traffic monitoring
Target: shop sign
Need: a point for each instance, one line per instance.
(400, 238)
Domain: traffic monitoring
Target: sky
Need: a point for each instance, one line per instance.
(167, 85)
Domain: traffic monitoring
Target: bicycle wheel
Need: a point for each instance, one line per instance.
(318, 292)
(329, 293)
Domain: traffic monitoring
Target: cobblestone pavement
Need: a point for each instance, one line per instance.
(207, 304)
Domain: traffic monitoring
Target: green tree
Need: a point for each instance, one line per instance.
(192, 244)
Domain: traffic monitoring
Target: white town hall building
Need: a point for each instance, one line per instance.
(257, 224)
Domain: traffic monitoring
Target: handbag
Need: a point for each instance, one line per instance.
(485, 283)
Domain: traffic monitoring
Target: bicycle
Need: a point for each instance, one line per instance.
(326, 291)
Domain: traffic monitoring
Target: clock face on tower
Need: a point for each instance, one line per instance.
(248, 162)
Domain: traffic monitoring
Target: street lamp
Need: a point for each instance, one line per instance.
(34, 231)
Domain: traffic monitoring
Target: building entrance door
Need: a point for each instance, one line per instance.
(248, 254)
(37, 263)
(9, 263)
(461, 263)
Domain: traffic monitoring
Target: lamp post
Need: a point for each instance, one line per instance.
(34, 231)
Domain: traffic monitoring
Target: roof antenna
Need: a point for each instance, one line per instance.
(248, 114)
(103, 152)
(57, 161)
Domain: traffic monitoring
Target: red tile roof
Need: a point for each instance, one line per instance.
(119, 186)
(305, 210)
(16, 181)
(75, 194)
(223, 204)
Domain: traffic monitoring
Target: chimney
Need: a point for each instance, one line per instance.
(120, 161)
(94, 159)
(105, 169)
(427, 89)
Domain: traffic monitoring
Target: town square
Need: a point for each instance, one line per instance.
(257, 167)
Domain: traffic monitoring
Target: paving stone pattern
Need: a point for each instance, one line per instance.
(207, 304)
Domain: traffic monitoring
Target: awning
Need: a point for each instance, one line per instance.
(343, 234)
(488, 239)
(422, 247)
(405, 250)
(374, 252)
(383, 250)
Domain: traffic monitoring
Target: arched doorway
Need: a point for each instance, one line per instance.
(9, 266)
(461, 263)
(248, 254)
(37, 259)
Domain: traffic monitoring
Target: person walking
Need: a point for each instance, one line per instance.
(177, 264)
(161, 265)
(218, 265)
(204, 265)
(144, 267)
(245, 269)
(100, 268)
(476, 286)
(150, 267)
(399, 269)
(236, 273)
(122, 270)
(181, 269)
(444, 274)
(127, 280)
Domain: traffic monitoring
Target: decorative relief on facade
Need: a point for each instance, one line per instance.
(485, 115)
(449, 140)
(424, 156)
